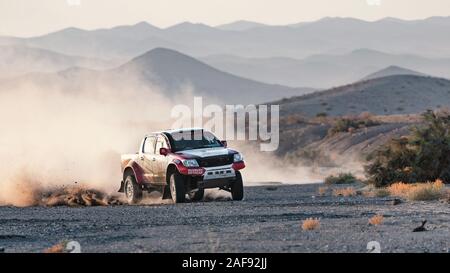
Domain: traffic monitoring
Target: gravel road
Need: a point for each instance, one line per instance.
(268, 220)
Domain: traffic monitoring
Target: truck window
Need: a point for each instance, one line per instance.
(149, 145)
(181, 141)
(161, 143)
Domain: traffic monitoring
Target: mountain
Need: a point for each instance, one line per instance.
(17, 60)
(326, 36)
(392, 71)
(240, 25)
(5, 40)
(174, 71)
(118, 43)
(325, 70)
(399, 94)
(175, 74)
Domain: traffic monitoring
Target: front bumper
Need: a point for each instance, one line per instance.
(220, 172)
(215, 177)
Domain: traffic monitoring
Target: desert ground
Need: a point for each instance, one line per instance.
(268, 220)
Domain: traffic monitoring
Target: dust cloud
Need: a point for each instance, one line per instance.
(55, 132)
(62, 135)
(264, 167)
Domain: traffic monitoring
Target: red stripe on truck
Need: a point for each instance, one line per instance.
(188, 171)
(238, 165)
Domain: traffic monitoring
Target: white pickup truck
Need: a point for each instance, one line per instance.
(179, 163)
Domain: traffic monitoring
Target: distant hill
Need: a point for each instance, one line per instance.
(328, 35)
(18, 60)
(174, 73)
(172, 70)
(392, 71)
(117, 43)
(400, 94)
(240, 25)
(325, 70)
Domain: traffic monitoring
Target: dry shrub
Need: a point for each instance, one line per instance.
(399, 189)
(321, 115)
(350, 124)
(58, 248)
(376, 220)
(427, 191)
(420, 191)
(341, 178)
(311, 224)
(346, 192)
(322, 191)
(420, 156)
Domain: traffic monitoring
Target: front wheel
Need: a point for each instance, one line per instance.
(133, 190)
(197, 195)
(177, 189)
(237, 188)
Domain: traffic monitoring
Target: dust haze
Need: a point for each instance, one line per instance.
(58, 133)
(54, 138)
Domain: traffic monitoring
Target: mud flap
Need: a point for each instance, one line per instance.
(121, 187)
(166, 192)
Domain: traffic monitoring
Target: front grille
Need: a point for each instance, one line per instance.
(215, 161)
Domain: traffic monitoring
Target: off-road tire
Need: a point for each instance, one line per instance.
(197, 195)
(132, 190)
(177, 187)
(237, 188)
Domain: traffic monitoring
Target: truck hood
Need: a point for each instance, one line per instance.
(208, 152)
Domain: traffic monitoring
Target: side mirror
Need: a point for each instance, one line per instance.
(224, 143)
(164, 151)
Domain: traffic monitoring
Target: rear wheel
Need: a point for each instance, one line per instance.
(237, 188)
(177, 188)
(133, 191)
(197, 195)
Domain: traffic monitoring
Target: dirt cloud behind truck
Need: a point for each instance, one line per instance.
(58, 129)
(54, 134)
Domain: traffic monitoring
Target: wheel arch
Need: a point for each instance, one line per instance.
(170, 170)
(128, 171)
(133, 169)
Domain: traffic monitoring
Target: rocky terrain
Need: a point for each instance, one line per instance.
(312, 142)
(268, 220)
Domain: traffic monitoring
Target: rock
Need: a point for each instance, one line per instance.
(421, 228)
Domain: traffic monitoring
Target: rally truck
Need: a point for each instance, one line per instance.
(182, 163)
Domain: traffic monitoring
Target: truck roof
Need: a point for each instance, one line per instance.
(172, 131)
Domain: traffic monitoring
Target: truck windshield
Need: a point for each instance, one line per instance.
(190, 140)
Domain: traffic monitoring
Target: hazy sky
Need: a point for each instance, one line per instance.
(35, 17)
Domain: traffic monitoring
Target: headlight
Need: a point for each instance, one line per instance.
(190, 163)
(238, 157)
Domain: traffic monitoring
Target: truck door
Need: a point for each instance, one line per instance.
(147, 158)
(161, 162)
